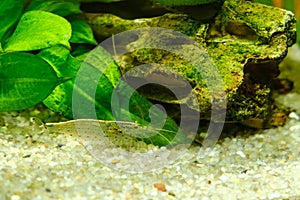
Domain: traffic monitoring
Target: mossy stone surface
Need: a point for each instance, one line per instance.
(245, 40)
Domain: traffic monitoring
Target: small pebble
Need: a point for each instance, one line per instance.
(240, 153)
(15, 197)
(260, 166)
(294, 115)
(160, 186)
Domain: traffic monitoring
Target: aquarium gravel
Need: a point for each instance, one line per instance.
(257, 164)
(36, 164)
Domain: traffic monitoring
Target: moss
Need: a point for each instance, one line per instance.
(264, 20)
(242, 32)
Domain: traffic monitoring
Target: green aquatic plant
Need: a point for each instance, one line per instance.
(43, 46)
(39, 26)
(25, 79)
(45, 43)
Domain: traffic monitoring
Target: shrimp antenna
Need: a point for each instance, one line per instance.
(113, 43)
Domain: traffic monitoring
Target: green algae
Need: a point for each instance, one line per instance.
(245, 40)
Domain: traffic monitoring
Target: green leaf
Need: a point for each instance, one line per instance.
(129, 106)
(39, 29)
(60, 100)
(81, 32)
(59, 7)
(25, 80)
(142, 111)
(10, 12)
(80, 52)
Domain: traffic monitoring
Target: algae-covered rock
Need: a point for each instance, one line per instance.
(245, 40)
